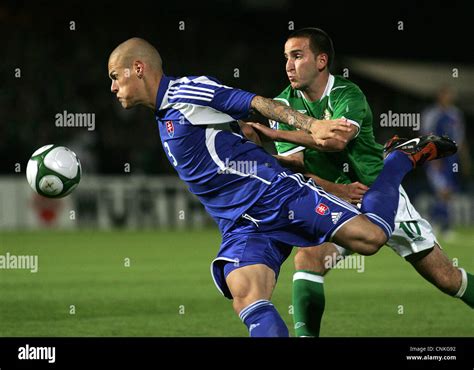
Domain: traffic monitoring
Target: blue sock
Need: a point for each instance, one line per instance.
(380, 203)
(263, 320)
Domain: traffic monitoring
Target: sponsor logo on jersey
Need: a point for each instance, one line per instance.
(170, 128)
(335, 216)
(322, 209)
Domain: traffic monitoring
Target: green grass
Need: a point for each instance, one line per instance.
(169, 272)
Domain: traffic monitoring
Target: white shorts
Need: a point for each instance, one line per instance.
(412, 233)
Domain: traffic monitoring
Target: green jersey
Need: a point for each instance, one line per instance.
(362, 159)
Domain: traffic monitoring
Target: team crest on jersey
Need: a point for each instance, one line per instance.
(322, 209)
(170, 128)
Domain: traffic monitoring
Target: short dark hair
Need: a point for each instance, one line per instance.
(319, 41)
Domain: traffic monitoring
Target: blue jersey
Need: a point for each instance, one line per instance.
(196, 118)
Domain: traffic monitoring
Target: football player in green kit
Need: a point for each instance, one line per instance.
(345, 169)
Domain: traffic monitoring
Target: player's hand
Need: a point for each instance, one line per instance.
(250, 133)
(264, 132)
(351, 193)
(354, 192)
(323, 131)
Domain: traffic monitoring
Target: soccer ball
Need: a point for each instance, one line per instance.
(53, 171)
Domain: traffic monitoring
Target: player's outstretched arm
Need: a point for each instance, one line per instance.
(320, 131)
(301, 137)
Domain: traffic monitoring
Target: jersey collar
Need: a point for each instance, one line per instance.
(328, 88)
(326, 92)
(164, 83)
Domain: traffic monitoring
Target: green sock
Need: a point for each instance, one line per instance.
(466, 292)
(308, 303)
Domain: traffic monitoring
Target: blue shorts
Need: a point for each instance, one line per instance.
(292, 212)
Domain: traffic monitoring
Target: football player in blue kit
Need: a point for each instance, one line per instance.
(261, 208)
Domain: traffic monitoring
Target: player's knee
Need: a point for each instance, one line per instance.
(242, 298)
(310, 259)
(249, 284)
(239, 303)
(373, 240)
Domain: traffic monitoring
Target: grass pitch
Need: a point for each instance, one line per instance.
(157, 283)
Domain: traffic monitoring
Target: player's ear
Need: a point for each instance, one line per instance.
(138, 68)
(322, 61)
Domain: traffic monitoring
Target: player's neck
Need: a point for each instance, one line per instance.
(152, 91)
(315, 91)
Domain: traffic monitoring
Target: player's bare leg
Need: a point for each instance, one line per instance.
(249, 284)
(314, 258)
(361, 236)
(436, 267)
(252, 287)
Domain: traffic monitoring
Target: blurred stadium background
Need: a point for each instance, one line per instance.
(131, 207)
